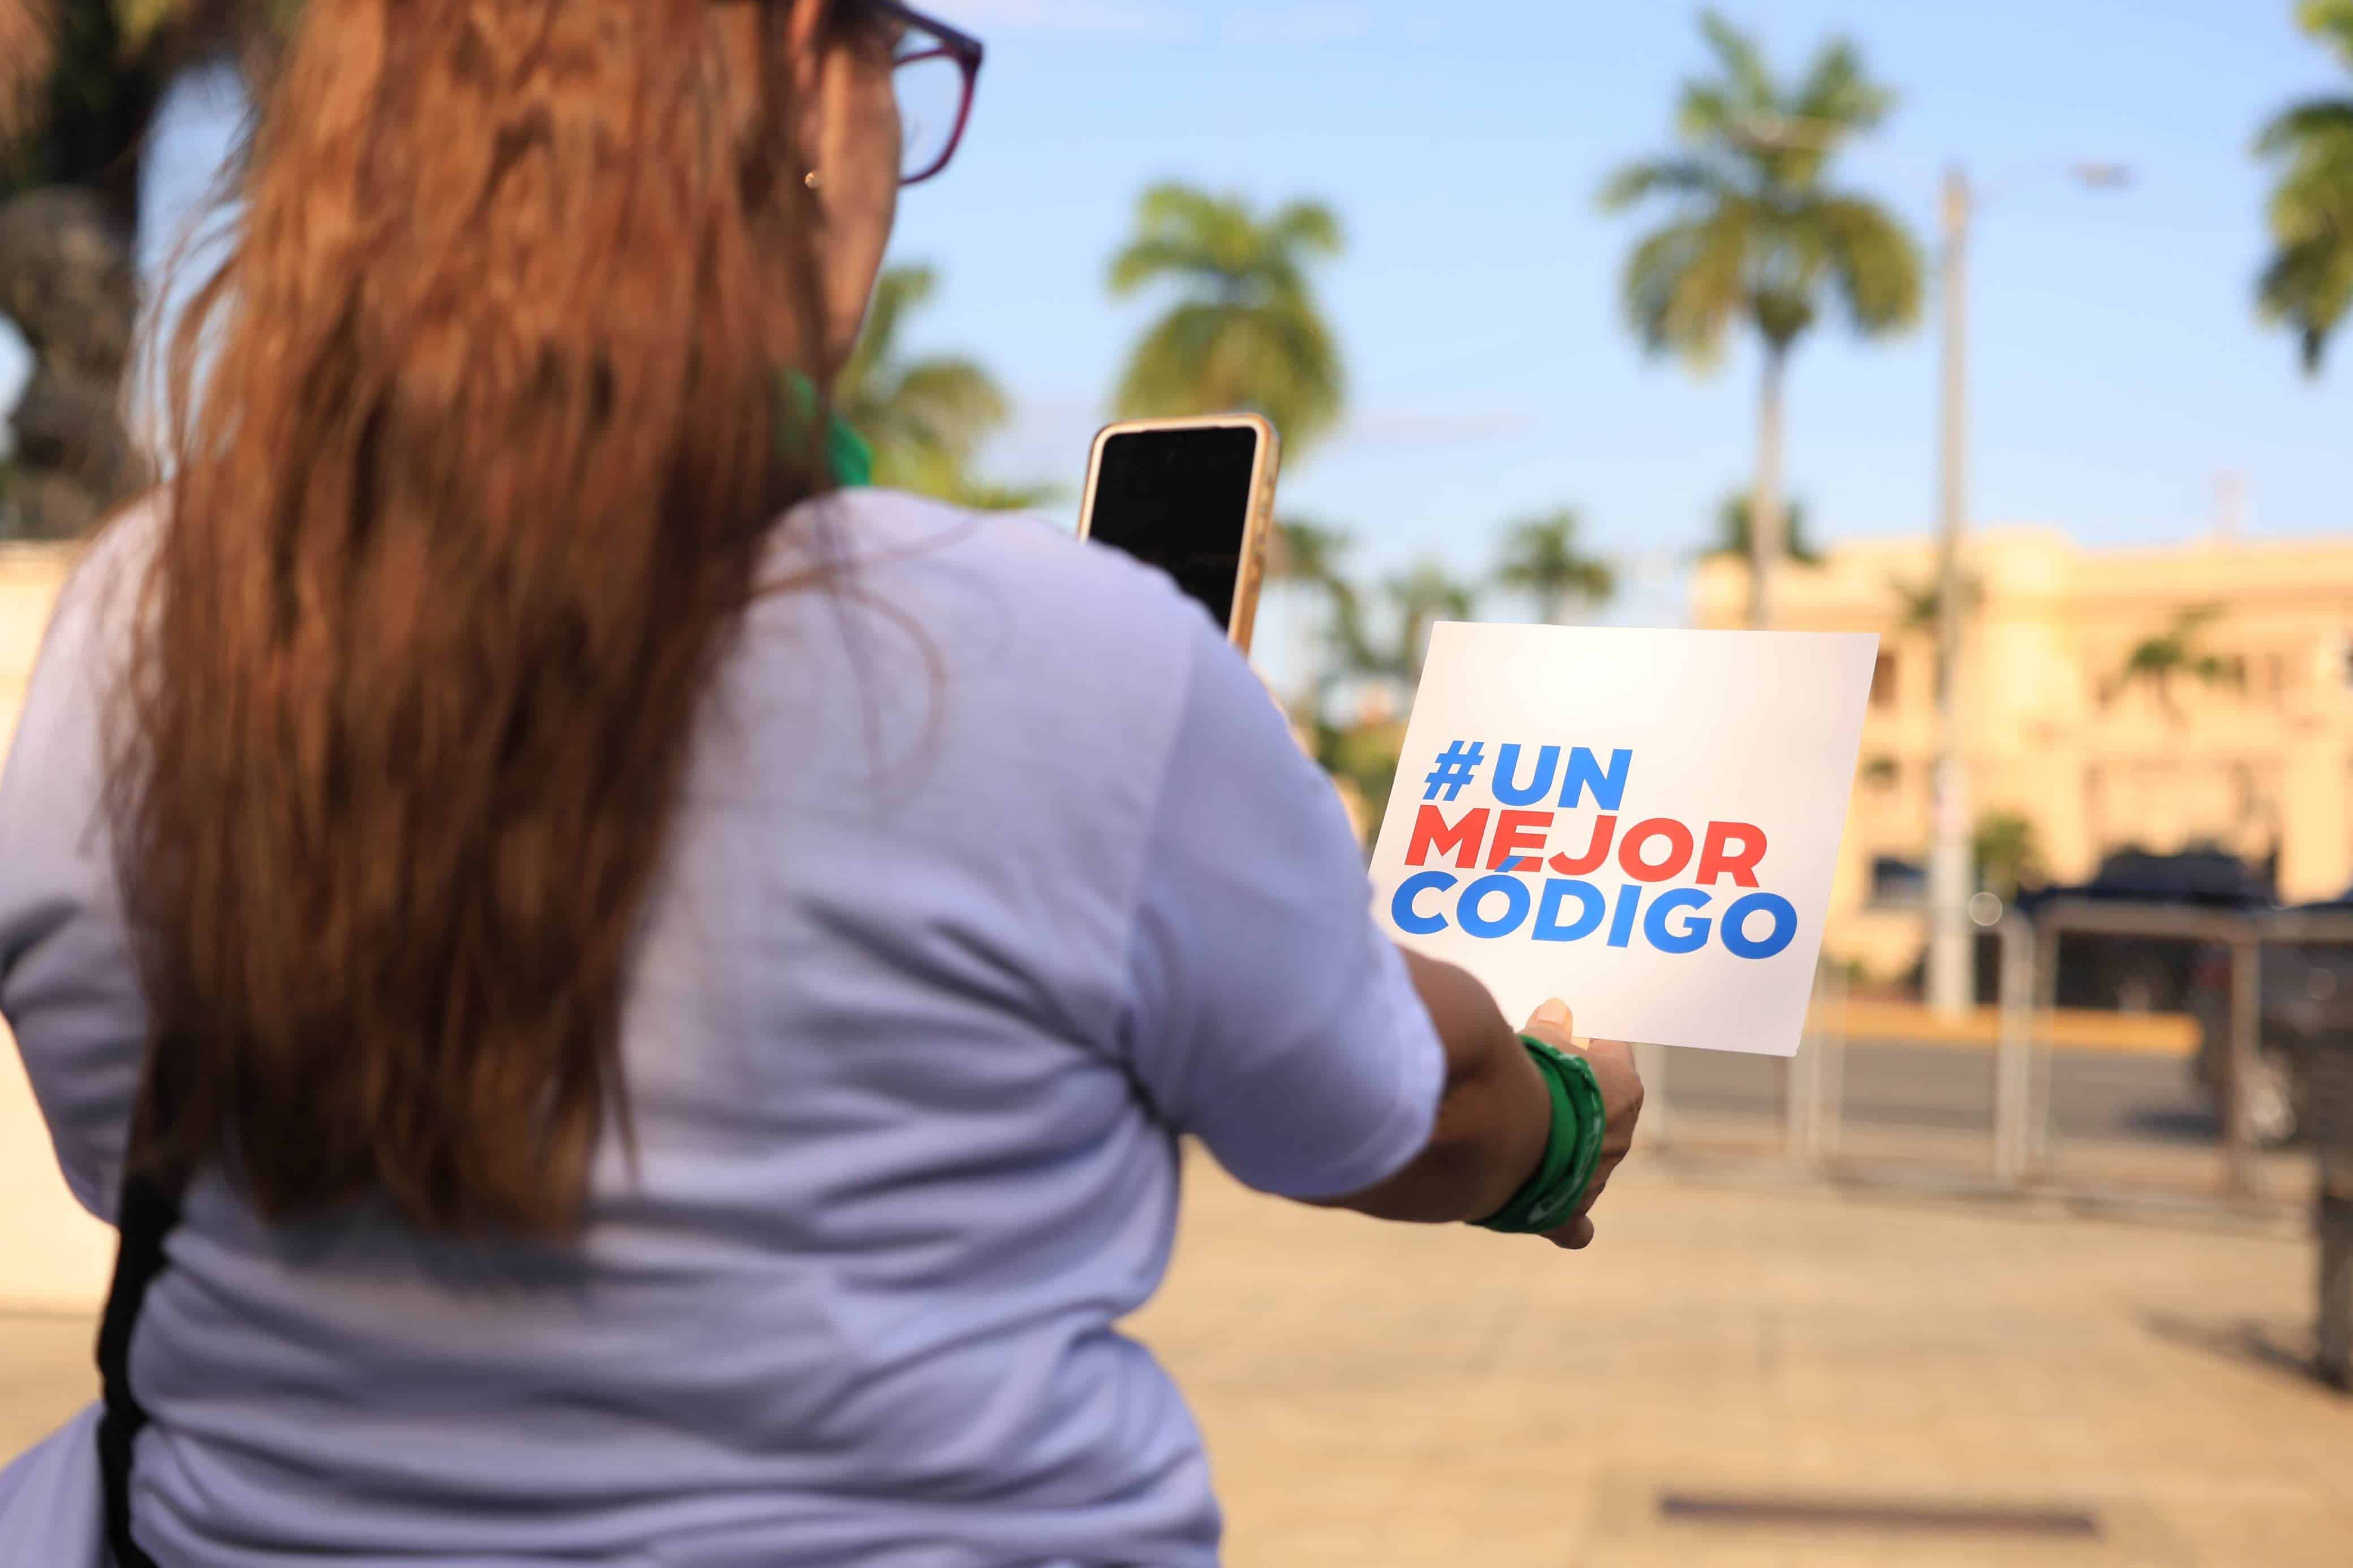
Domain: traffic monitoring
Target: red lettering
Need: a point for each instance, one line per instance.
(1679, 849)
(1519, 833)
(1718, 858)
(1432, 836)
(1605, 828)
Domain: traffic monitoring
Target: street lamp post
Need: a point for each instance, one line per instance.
(1951, 974)
(1952, 978)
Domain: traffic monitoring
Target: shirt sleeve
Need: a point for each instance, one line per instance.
(1267, 1014)
(69, 988)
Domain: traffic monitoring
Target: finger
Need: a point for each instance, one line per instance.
(1576, 1235)
(1553, 1018)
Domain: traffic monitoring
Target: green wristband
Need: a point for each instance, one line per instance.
(1559, 1161)
(1593, 1118)
(1572, 1149)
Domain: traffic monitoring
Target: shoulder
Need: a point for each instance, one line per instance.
(86, 596)
(100, 587)
(901, 538)
(998, 587)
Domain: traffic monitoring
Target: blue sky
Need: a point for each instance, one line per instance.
(2118, 365)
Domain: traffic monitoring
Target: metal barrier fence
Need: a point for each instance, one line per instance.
(1812, 1096)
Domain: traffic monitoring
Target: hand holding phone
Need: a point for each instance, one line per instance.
(1193, 496)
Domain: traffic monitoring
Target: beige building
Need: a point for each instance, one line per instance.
(2255, 756)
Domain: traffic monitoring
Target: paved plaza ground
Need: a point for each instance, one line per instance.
(1379, 1395)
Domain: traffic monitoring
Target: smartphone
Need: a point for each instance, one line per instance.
(1193, 496)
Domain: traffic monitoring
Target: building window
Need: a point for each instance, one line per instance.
(1882, 681)
(1898, 883)
(1882, 772)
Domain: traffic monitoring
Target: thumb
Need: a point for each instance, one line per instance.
(1553, 1016)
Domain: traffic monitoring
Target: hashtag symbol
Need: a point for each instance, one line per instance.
(1457, 765)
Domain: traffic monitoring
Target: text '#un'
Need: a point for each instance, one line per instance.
(1510, 843)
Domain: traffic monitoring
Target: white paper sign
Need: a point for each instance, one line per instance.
(1643, 823)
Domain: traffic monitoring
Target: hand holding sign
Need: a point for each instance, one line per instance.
(1621, 1090)
(1646, 821)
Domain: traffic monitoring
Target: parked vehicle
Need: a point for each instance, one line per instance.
(2305, 989)
(2147, 975)
(2307, 1005)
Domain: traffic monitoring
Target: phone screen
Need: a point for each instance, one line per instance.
(1180, 499)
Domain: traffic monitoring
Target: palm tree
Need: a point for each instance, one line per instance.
(80, 82)
(1246, 330)
(1307, 557)
(1733, 537)
(2307, 284)
(1543, 558)
(1427, 593)
(1757, 236)
(1922, 602)
(926, 417)
(2179, 651)
(2007, 852)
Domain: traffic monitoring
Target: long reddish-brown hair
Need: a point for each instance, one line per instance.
(476, 448)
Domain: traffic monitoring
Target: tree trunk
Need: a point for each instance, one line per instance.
(66, 282)
(1764, 507)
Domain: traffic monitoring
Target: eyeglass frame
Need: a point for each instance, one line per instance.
(950, 43)
(947, 43)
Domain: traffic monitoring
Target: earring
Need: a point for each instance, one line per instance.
(810, 180)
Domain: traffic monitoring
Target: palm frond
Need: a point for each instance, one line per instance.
(1152, 258)
(1542, 557)
(899, 290)
(980, 495)
(1685, 284)
(1875, 264)
(1754, 239)
(1308, 553)
(2331, 21)
(954, 396)
(1245, 330)
(2313, 122)
(2308, 286)
(2178, 651)
(2307, 283)
(1305, 228)
(1837, 93)
(1733, 524)
(1705, 112)
(1680, 176)
(1923, 603)
(1426, 594)
(1752, 92)
(925, 418)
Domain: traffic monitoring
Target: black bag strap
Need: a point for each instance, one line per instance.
(149, 1210)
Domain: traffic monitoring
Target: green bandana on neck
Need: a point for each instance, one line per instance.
(852, 458)
(846, 451)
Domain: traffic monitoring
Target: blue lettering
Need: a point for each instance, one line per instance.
(1401, 909)
(1588, 920)
(1622, 926)
(1693, 934)
(1507, 764)
(1735, 920)
(1515, 896)
(1585, 774)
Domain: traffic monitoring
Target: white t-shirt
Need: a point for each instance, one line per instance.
(996, 871)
